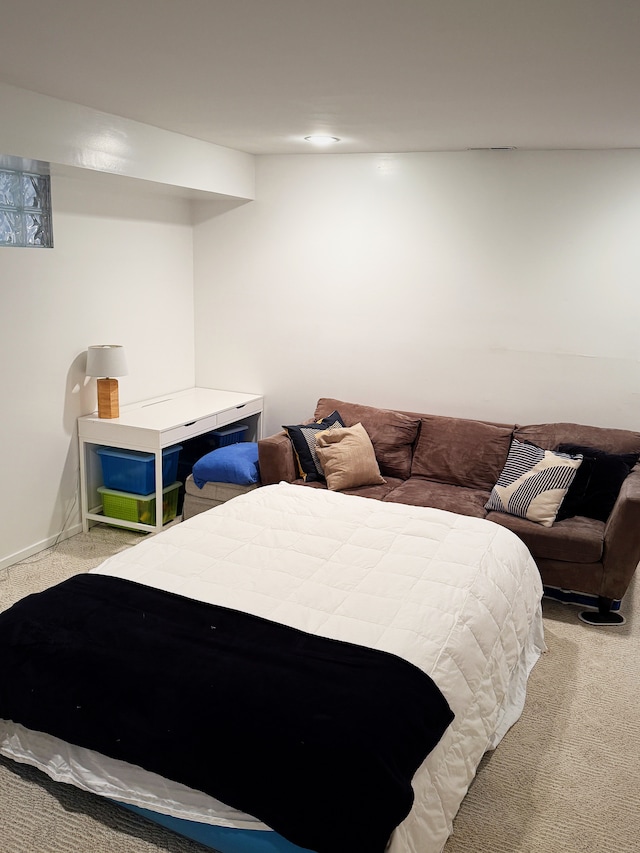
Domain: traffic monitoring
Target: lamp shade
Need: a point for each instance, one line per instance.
(106, 360)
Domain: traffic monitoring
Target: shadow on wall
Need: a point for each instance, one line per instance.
(203, 210)
(80, 396)
(79, 399)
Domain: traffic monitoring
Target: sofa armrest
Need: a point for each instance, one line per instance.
(622, 539)
(276, 459)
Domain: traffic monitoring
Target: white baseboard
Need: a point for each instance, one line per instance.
(39, 546)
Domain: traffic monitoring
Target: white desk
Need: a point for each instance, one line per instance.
(151, 426)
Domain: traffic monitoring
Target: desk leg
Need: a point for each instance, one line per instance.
(84, 490)
(159, 487)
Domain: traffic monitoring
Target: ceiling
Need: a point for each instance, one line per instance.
(383, 75)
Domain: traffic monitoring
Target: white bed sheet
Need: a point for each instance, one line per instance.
(457, 596)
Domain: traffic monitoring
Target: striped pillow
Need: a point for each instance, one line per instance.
(533, 482)
(303, 438)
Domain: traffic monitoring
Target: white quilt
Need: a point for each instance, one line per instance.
(459, 597)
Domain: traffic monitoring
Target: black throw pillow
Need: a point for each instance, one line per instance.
(597, 483)
(303, 438)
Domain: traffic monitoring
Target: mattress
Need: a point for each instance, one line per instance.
(456, 596)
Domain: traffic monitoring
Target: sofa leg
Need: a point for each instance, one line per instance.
(604, 615)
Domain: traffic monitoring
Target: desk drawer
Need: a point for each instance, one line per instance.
(190, 429)
(230, 416)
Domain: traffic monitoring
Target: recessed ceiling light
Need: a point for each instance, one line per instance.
(495, 148)
(319, 139)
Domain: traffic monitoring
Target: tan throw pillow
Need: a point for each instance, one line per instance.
(347, 458)
(392, 433)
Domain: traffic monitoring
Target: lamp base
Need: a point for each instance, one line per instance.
(108, 402)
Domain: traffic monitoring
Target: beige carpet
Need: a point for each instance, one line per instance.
(564, 780)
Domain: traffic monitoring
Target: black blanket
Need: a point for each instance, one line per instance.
(317, 738)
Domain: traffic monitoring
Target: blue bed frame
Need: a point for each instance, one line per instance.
(582, 599)
(222, 838)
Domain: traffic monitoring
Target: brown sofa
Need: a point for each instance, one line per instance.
(453, 463)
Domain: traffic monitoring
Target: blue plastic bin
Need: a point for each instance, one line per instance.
(134, 471)
(225, 437)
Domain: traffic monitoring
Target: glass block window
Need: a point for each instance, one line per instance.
(25, 209)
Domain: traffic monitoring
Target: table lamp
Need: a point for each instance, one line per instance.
(106, 361)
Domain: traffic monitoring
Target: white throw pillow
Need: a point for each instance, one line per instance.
(533, 483)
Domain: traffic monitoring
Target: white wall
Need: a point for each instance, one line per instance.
(496, 285)
(121, 272)
(502, 285)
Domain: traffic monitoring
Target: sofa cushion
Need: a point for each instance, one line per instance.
(392, 433)
(303, 438)
(576, 540)
(461, 452)
(347, 458)
(378, 492)
(597, 484)
(551, 435)
(533, 483)
(419, 491)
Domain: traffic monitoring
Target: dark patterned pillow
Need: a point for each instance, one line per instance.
(533, 482)
(303, 439)
(598, 482)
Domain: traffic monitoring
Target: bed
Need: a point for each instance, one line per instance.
(438, 614)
